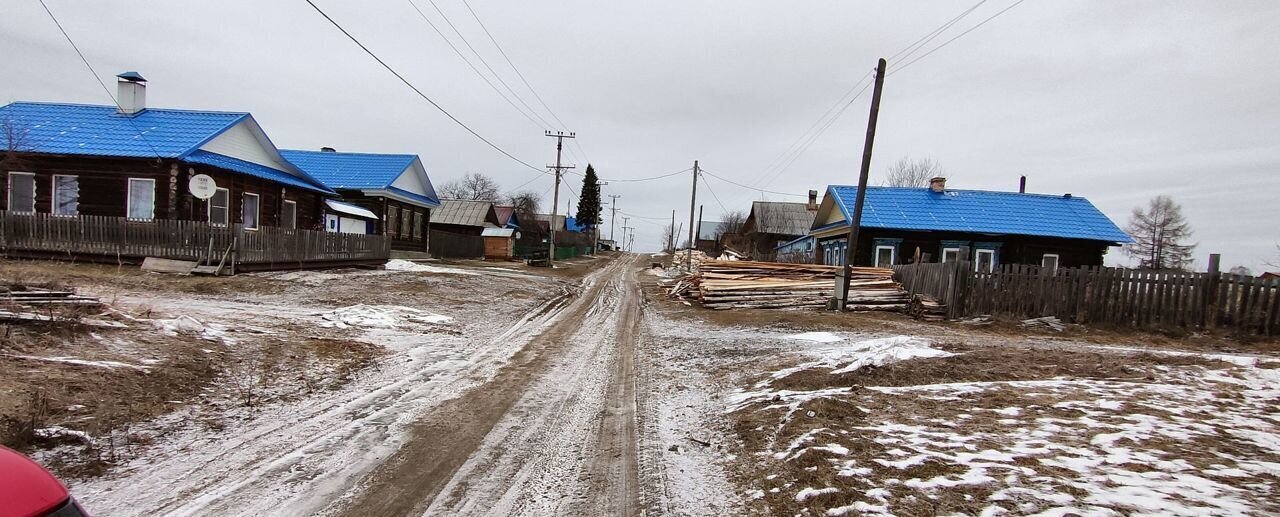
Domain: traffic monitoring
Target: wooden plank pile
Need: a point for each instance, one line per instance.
(23, 295)
(740, 284)
(925, 307)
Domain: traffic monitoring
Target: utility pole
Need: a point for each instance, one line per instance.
(698, 233)
(613, 216)
(851, 247)
(671, 237)
(693, 201)
(555, 199)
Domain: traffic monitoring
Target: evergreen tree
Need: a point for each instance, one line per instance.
(589, 200)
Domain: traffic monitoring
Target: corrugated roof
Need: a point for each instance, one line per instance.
(979, 211)
(253, 169)
(99, 131)
(781, 218)
(350, 170)
(498, 232)
(464, 213)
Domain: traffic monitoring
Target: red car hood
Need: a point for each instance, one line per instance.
(26, 488)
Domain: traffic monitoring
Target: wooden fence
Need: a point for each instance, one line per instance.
(122, 240)
(455, 245)
(1103, 295)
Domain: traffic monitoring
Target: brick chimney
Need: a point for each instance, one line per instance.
(131, 93)
(938, 184)
(813, 200)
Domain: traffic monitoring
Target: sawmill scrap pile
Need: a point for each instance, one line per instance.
(741, 284)
(925, 307)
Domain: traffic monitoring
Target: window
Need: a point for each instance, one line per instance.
(66, 195)
(22, 192)
(1050, 263)
(419, 220)
(393, 221)
(289, 215)
(406, 224)
(141, 205)
(249, 211)
(950, 254)
(219, 208)
(986, 262)
(885, 256)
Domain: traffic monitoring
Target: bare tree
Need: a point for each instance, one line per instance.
(13, 142)
(731, 223)
(472, 186)
(526, 205)
(1276, 262)
(912, 173)
(1159, 236)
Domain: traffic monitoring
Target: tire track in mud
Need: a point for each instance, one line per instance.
(538, 438)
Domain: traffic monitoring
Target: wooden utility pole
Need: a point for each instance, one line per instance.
(613, 216)
(693, 201)
(555, 199)
(671, 236)
(851, 247)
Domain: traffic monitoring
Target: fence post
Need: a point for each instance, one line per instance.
(1209, 298)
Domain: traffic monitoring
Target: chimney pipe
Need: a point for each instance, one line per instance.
(1022, 185)
(131, 93)
(938, 184)
(813, 200)
(328, 150)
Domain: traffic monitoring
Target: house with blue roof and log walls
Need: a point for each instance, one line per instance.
(987, 228)
(120, 182)
(394, 188)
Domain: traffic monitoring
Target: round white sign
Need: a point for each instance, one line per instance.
(202, 186)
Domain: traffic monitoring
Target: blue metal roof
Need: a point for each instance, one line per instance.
(979, 211)
(255, 170)
(99, 131)
(571, 224)
(427, 200)
(350, 170)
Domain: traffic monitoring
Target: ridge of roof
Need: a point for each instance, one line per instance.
(114, 107)
(1000, 192)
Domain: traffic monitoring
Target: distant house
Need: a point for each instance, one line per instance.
(465, 217)
(799, 250)
(709, 237)
(117, 180)
(773, 223)
(392, 190)
(1269, 275)
(986, 227)
(507, 217)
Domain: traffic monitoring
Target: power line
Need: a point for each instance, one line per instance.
(473, 66)
(958, 36)
(494, 40)
(817, 135)
(419, 92)
(96, 77)
(714, 196)
(631, 180)
(918, 44)
(704, 171)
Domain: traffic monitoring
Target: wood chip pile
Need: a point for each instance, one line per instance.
(740, 284)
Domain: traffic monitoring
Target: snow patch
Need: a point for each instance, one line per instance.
(414, 267)
(818, 337)
(379, 316)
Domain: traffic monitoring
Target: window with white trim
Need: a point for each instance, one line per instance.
(289, 215)
(66, 195)
(141, 202)
(249, 210)
(986, 261)
(1050, 262)
(22, 192)
(950, 254)
(393, 221)
(219, 207)
(885, 255)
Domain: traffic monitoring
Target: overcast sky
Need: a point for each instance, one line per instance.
(1113, 101)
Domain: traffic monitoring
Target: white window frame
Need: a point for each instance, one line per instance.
(893, 254)
(209, 208)
(977, 260)
(53, 195)
(289, 205)
(946, 250)
(257, 211)
(34, 188)
(128, 195)
(1057, 262)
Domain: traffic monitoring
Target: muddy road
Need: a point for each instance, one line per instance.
(552, 432)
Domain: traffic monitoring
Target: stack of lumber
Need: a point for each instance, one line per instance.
(23, 295)
(924, 307)
(679, 258)
(741, 284)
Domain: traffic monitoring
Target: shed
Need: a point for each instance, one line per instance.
(499, 243)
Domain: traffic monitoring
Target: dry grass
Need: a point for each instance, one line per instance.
(102, 277)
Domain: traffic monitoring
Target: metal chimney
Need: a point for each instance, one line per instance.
(1022, 185)
(131, 93)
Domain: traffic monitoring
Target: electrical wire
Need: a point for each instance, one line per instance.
(704, 171)
(486, 80)
(419, 92)
(96, 77)
(924, 40)
(817, 135)
(494, 40)
(632, 180)
(958, 36)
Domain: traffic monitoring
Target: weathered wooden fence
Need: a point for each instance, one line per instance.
(455, 245)
(124, 240)
(1103, 296)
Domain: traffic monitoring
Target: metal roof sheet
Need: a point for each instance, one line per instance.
(498, 232)
(463, 212)
(781, 218)
(350, 209)
(253, 169)
(979, 211)
(91, 130)
(350, 170)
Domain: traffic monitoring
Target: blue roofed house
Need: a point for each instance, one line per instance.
(393, 188)
(989, 228)
(130, 169)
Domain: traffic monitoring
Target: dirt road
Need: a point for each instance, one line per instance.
(553, 432)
